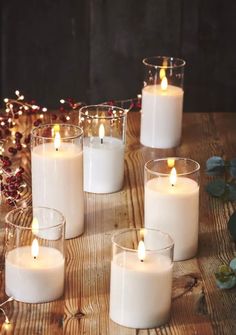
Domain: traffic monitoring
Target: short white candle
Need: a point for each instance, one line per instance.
(34, 280)
(140, 292)
(57, 182)
(174, 209)
(103, 164)
(161, 118)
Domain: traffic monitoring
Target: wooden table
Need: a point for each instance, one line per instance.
(199, 307)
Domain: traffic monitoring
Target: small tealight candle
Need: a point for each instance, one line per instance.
(104, 145)
(34, 265)
(141, 278)
(172, 202)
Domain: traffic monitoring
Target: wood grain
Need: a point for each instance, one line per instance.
(198, 307)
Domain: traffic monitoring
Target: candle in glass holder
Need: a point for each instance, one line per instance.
(104, 146)
(172, 202)
(141, 281)
(162, 102)
(57, 173)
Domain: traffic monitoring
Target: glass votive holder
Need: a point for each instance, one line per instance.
(57, 172)
(104, 146)
(162, 102)
(35, 255)
(141, 278)
(171, 188)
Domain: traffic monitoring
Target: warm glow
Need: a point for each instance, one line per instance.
(101, 131)
(57, 141)
(35, 248)
(35, 226)
(164, 84)
(173, 176)
(171, 162)
(162, 73)
(141, 251)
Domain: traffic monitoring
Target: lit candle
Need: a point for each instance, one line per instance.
(162, 102)
(103, 163)
(140, 288)
(171, 205)
(57, 179)
(34, 274)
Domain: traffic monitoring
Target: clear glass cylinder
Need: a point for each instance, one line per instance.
(171, 188)
(57, 172)
(35, 254)
(162, 102)
(141, 278)
(104, 146)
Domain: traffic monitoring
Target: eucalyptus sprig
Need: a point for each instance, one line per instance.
(225, 186)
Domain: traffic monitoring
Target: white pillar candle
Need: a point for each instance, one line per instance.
(140, 291)
(34, 279)
(57, 182)
(103, 164)
(174, 209)
(161, 118)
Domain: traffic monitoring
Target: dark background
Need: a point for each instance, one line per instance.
(92, 50)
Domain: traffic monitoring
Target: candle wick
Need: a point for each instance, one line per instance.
(142, 260)
(172, 185)
(56, 149)
(34, 257)
(101, 140)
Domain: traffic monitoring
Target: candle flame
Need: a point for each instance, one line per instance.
(162, 73)
(173, 176)
(164, 83)
(57, 141)
(141, 251)
(35, 248)
(35, 226)
(171, 162)
(101, 131)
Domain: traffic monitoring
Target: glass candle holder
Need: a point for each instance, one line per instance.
(141, 278)
(162, 102)
(104, 146)
(172, 201)
(57, 172)
(35, 255)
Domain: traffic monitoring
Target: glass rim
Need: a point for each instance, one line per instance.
(146, 61)
(41, 126)
(126, 230)
(106, 117)
(22, 209)
(146, 168)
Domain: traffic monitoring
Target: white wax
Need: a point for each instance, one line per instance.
(174, 210)
(140, 292)
(34, 280)
(103, 164)
(57, 182)
(161, 118)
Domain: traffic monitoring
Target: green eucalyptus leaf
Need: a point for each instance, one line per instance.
(232, 225)
(215, 166)
(216, 188)
(232, 167)
(232, 264)
(231, 191)
(225, 277)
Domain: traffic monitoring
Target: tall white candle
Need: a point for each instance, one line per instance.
(161, 118)
(34, 279)
(140, 291)
(174, 209)
(57, 182)
(103, 164)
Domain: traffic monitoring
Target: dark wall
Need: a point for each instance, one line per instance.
(92, 50)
